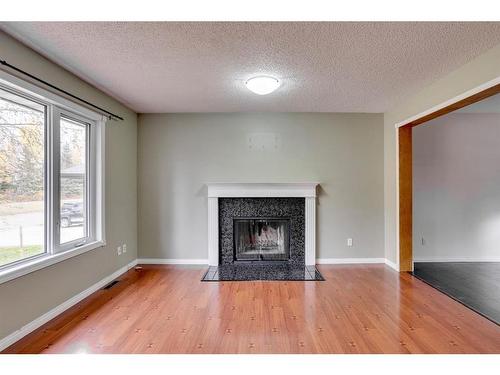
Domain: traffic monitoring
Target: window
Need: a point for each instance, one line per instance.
(73, 153)
(22, 176)
(51, 178)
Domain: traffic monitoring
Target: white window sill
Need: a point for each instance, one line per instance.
(38, 263)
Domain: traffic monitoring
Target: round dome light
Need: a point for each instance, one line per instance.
(262, 85)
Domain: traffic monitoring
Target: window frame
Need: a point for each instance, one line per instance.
(56, 106)
(89, 200)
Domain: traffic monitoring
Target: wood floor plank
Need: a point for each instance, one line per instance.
(358, 309)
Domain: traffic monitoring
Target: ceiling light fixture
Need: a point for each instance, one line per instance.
(262, 85)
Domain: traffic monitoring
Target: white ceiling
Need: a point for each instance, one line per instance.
(201, 67)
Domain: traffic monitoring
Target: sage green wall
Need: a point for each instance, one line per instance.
(180, 153)
(30, 296)
(482, 69)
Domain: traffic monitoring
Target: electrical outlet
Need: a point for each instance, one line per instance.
(349, 242)
(119, 250)
(124, 248)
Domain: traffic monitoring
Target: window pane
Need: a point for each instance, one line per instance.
(22, 218)
(73, 180)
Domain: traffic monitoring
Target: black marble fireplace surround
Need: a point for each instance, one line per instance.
(292, 209)
(292, 268)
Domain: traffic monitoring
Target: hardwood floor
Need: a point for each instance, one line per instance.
(358, 309)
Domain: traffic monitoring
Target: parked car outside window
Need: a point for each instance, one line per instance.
(71, 214)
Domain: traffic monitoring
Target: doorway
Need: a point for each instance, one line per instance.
(449, 200)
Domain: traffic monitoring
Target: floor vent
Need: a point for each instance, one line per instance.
(111, 284)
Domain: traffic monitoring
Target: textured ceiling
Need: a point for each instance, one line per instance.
(201, 67)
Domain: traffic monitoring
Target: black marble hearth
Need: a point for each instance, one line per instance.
(248, 272)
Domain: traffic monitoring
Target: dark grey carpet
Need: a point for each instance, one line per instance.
(475, 284)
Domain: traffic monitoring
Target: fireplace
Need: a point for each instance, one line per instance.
(294, 202)
(262, 231)
(261, 239)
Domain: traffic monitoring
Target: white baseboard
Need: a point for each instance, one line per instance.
(393, 265)
(318, 261)
(349, 260)
(458, 259)
(38, 322)
(171, 261)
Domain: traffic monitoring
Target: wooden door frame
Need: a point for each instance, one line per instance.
(404, 175)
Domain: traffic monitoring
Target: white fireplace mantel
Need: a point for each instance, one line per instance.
(305, 190)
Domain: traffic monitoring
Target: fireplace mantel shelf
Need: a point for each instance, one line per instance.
(305, 190)
(259, 189)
